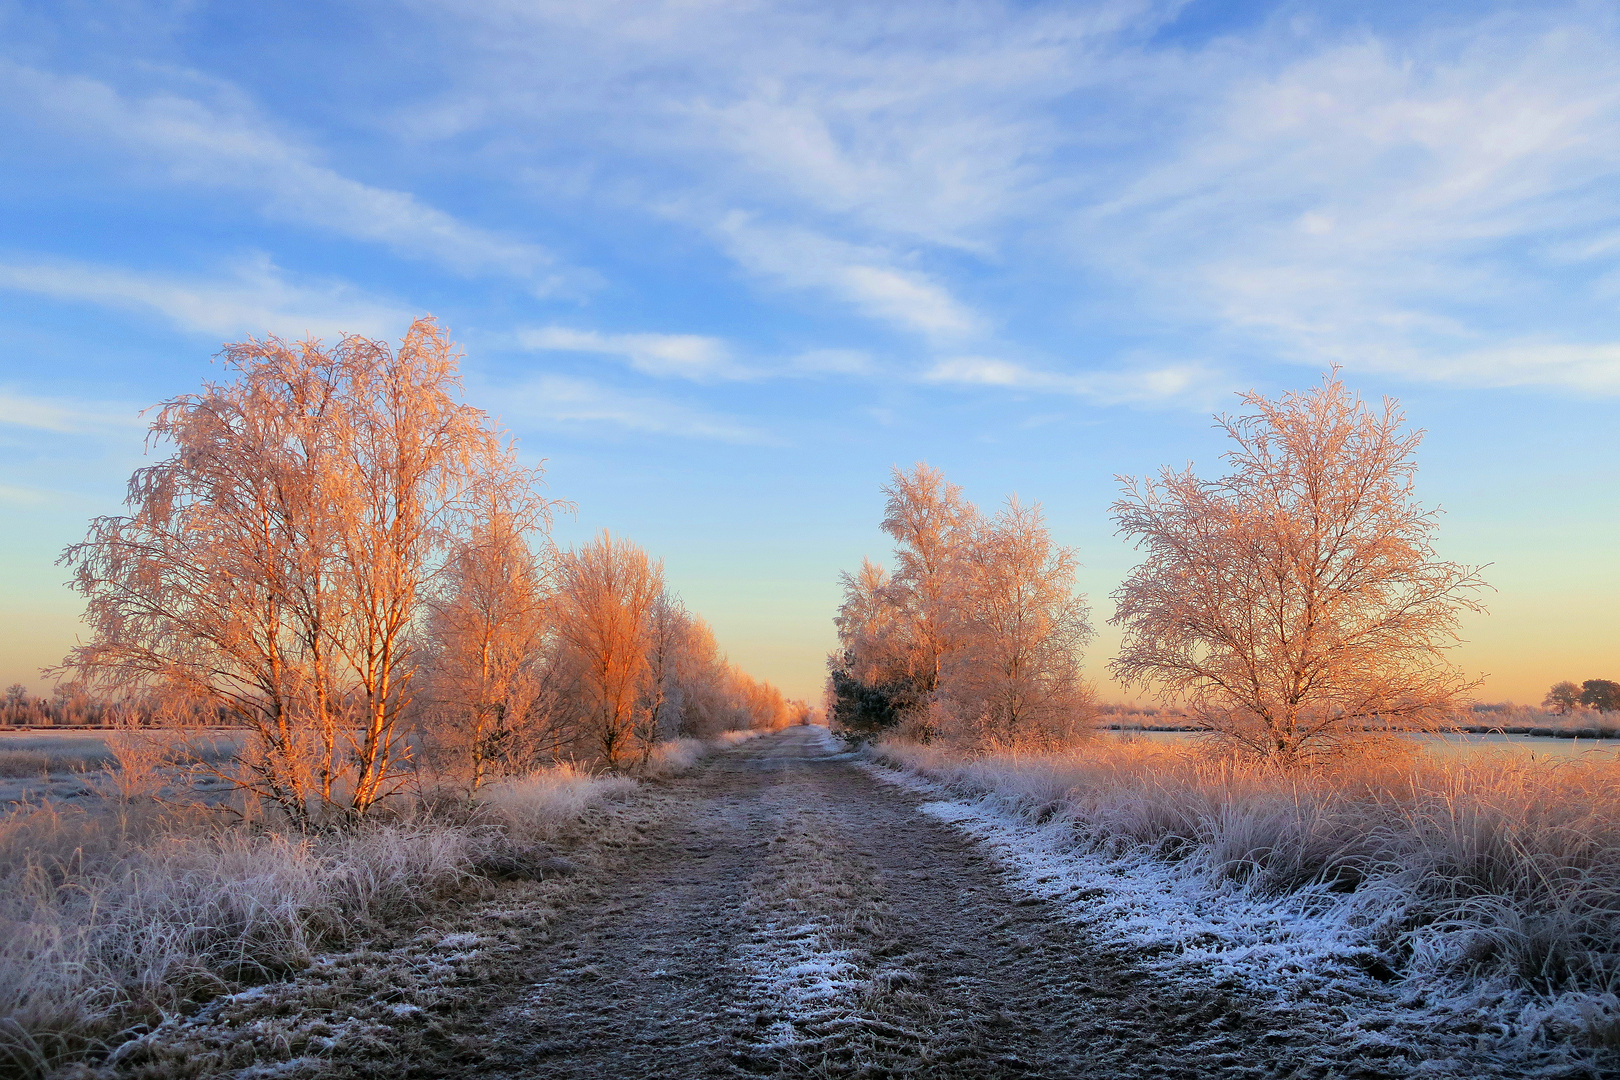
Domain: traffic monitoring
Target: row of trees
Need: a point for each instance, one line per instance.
(1296, 605)
(72, 704)
(344, 558)
(1601, 694)
(530, 657)
(68, 704)
(978, 634)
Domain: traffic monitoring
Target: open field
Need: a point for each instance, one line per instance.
(1505, 719)
(1459, 744)
(84, 766)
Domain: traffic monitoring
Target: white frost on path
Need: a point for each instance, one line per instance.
(796, 971)
(791, 965)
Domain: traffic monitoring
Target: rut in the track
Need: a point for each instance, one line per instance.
(797, 917)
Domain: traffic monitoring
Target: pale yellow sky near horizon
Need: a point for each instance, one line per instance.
(1553, 609)
(1525, 643)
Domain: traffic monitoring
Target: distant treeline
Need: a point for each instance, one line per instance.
(71, 705)
(1602, 695)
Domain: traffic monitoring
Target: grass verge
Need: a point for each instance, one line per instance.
(124, 916)
(1492, 880)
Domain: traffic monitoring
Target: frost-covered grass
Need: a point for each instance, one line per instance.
(113, 916)
(544, 803)
(1490, 883)
(677, 755)
(1524, 719)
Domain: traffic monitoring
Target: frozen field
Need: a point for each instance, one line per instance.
(1452, 745)
(67, 766)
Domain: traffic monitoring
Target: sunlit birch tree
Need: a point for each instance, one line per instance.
(932, 526)
(485, 641)
(1296, 604)
(276, 562)
(608, 596)
(977, 634)
(1021, 627)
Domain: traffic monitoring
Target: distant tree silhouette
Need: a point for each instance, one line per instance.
(1563, 697)
(1601, 694)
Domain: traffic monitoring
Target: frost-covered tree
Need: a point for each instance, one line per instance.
(932, 526)
(275, 564)
(1298, 600)
(485, 640)
(609, 591)
(1020, 628)
(979, 630)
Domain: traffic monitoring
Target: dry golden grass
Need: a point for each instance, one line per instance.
(1491, 864)
(40, 761)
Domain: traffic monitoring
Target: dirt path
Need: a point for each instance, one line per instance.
(796, 916)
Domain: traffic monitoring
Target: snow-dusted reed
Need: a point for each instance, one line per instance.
(30, 763)
(1492, 875)
(111, 917)
(543, 803)
(678, 755)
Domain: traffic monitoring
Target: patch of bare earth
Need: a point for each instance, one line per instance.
(777, 912)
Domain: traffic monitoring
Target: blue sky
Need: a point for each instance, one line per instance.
(723, 264)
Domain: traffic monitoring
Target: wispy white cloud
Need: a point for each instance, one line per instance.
(1300, 187)
(695, 357)
(66, 416)
(226, 146)
(865, 277)
(686, 356)
(24, 497)
(1165, 383)
(1396, 205)
(252, 297)
(901, 121)
(832, 362)
(1407, 194)
(1593, 368)
(559, 401)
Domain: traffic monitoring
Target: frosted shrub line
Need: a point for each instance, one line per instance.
(545, 802)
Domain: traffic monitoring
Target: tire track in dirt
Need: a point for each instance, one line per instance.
(796, 917)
